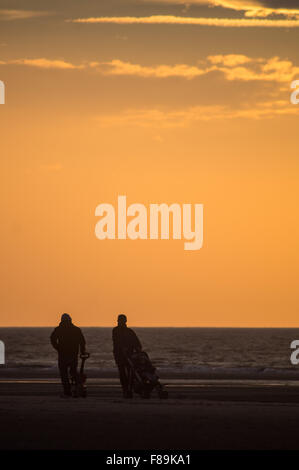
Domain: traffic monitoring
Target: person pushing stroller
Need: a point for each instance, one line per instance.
(125, 343)
(137, 373)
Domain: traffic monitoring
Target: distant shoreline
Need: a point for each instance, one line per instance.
(168, 327)
(184, 373)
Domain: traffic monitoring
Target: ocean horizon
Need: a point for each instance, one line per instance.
(182, 352)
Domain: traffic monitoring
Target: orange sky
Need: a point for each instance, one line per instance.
(159, 113)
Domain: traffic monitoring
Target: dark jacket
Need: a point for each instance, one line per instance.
(125, 342)
(68, 339)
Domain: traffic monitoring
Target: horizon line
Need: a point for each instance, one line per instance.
(155, 326)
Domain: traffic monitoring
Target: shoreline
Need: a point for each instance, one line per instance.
(178, 382)
(187, 373)
(182, 391)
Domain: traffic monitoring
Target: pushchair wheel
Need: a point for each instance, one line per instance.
(145, 394)
(163, 394)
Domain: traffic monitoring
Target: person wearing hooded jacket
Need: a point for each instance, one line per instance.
(68, 340)
(125, 343)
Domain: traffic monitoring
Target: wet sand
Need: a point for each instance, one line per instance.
(196, 416)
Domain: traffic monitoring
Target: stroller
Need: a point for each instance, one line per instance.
(143, 376)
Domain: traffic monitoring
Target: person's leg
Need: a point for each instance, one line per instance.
(73, 364)
(129, 376)
(63, 369)
(74, 369)
(122, 370)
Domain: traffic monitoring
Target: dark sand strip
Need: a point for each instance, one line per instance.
(204, 416)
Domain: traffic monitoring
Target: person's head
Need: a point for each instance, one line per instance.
(66, 319)
(121, 320)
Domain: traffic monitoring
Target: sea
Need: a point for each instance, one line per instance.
(181, 353)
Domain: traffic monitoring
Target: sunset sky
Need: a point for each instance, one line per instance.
(161, 101)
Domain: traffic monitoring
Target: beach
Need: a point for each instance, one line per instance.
(227, 390)
(205, 415)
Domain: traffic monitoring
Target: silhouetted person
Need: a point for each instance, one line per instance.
(125, 343)
(68, 339)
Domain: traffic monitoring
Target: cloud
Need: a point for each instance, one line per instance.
(182, 20)
(43, 63)
(250, 8)
(229, 60)
(234, 67)
(119, 67)
(230, 67)
(9, 15)
(267, 70)
(253, 8)
(161, 119)
(47, 64)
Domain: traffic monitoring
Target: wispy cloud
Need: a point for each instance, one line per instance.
(9, 15)
(182, 20)
(250, 8)
(253, 8)
(119, 67)
(230, 60)
(161, 119)
(43, 63)
(257, 69)
(234, 67)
